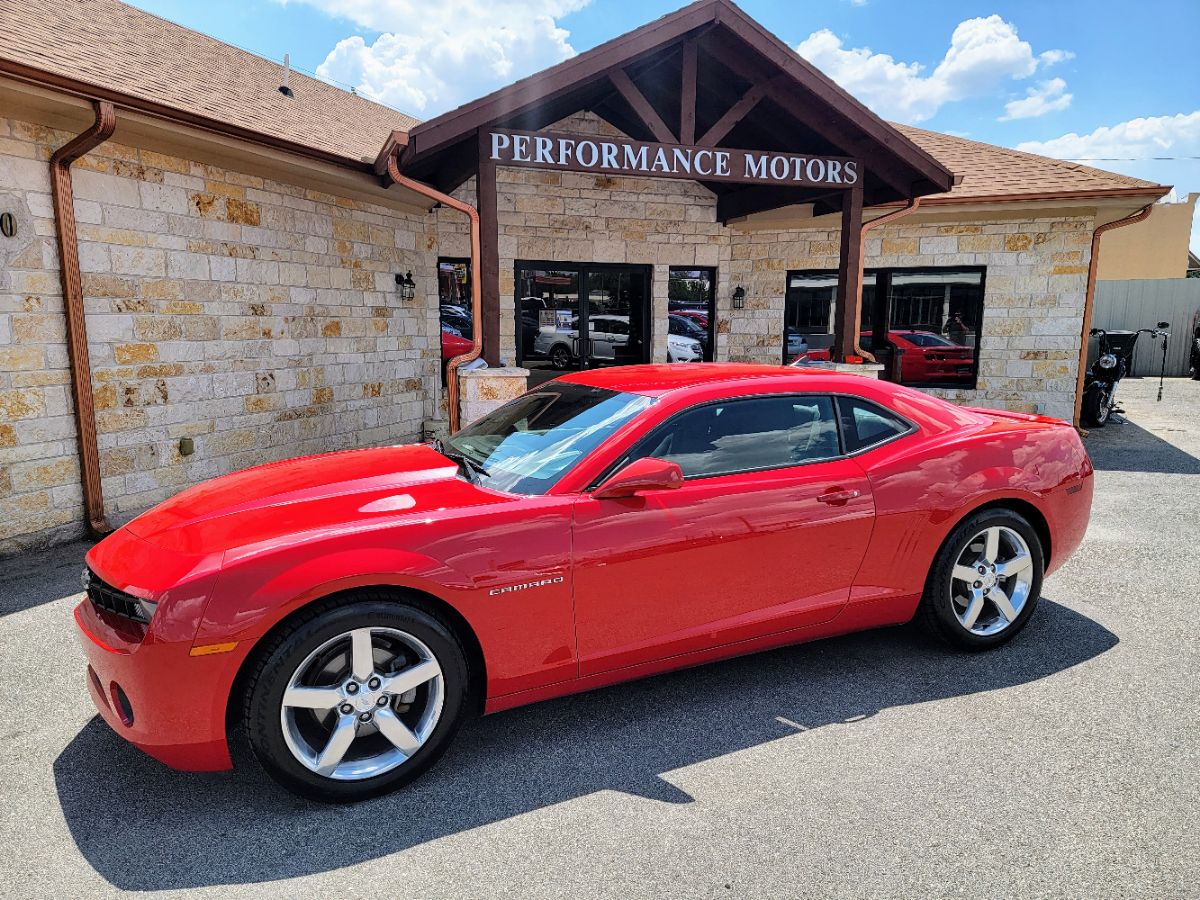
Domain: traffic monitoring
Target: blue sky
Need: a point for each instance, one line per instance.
(1093, 81)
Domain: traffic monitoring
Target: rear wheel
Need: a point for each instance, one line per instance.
(985, 581)
(560, 356)
(356, 700)
(1095, 407)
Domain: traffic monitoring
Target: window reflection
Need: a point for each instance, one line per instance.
(922, 324)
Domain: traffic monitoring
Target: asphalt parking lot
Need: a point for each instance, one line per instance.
(1063, 765)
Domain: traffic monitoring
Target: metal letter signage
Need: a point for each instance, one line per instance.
(581, 153)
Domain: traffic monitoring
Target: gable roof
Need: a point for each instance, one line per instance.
(798, 108)
(108, 50)
(116, 52)
(987, 172)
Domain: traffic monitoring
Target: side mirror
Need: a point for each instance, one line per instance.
(1164, 325)
(645, 474)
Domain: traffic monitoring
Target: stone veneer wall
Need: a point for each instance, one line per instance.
(576, 217)
(1034, 293)
(259, 318)
(1033, 297)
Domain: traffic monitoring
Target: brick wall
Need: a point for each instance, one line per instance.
(256, 317)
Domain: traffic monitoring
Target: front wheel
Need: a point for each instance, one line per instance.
(985, 581)
(356, 700)
(1096, 406)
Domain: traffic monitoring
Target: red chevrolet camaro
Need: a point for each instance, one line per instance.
(348, 610)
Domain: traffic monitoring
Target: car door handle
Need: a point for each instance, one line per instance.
(837, 497)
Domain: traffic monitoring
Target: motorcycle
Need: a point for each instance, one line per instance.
(1194, 356)
(1113, 363)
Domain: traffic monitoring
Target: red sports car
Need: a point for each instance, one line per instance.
(927, 357)
(349, 609)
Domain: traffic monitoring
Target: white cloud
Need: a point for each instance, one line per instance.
(1054, 57)
(984, 54)
(1157, 148)
(1177, 135)
(1047, 96)
(433, 56)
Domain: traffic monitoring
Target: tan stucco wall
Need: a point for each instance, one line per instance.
(259, 318)
(1156, 247)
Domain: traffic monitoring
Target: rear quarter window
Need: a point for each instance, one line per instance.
(866, 424)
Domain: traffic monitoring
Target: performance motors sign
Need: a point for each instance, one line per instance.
(577, 153)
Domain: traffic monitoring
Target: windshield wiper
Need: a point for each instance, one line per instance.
(472, 469)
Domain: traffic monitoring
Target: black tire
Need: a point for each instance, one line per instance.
(277, 661)
(936, 612)
(560, 356)
(1095, 409)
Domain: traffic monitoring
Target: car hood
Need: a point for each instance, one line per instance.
(314, 495)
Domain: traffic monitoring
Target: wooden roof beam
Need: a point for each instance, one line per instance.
(640, 105)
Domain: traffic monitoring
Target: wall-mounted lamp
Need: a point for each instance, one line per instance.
(739, 297)
(406, 287)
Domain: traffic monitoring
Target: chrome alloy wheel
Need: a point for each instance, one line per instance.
(362, 703)
(991, 580)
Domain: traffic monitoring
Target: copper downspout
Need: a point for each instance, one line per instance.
(1089, 297)
(393, 169)
(72, 284)
(867, 226)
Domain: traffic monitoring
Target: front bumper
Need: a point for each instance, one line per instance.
(155, 695)
(178, 701)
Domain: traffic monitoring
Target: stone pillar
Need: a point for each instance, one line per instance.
(483, 390)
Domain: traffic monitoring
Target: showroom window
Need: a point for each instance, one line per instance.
(454, 304)
(921, 323)
(745, 436)
(691, 303)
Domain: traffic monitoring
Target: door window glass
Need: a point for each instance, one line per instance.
(548, 335)
(745, 435)
(865, 424)
(691, 294)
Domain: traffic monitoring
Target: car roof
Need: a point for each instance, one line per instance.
(657, 379)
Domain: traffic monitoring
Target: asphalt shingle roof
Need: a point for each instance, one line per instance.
(113, 46)
(116, 47)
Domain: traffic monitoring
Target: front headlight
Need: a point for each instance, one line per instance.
(1108, 361)
(119, 603)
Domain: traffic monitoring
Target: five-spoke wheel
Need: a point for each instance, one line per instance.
(991, 580)
(356, 699)
(985, 581)
(362, 703)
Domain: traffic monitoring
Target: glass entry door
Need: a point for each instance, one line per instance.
(577, 316)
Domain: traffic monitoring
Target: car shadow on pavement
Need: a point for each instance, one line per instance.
(1123, 446)
(41, 576)
(145, 827)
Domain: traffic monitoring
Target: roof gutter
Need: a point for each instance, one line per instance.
(1090, 296)
(94, 93)
(63, 197)
(394, 177)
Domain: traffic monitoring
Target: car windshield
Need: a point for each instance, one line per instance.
(683, 326)
(528, 445)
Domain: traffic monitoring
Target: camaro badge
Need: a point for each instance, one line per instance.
(525, 585)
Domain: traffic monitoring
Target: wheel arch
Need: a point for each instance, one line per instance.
(430, 603)
(1027, 510)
